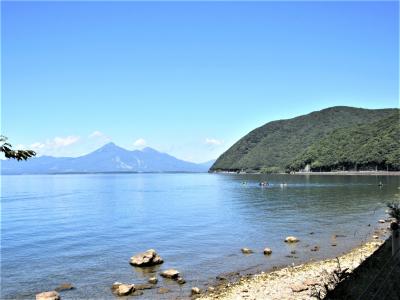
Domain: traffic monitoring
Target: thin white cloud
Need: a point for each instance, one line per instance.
(52, 146)
(213, 142)
(140, 143)
(96, 134)
(63, 142)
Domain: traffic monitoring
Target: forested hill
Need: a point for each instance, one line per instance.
(275, 145)
(367, 146)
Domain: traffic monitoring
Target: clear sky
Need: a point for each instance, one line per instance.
(187, 78)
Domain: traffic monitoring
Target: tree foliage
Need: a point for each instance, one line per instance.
(276, 144)
(369, 146)
(6, 148)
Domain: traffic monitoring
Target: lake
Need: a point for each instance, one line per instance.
(84, 228)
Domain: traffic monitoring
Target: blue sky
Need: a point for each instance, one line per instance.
(187, 78)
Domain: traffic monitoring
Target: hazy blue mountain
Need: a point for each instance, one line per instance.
(109, 158)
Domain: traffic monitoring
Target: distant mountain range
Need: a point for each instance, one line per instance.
(109, 158)
(335, 138)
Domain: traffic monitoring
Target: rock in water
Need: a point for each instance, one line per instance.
(267, 251)
(145, 259)
(122, 289)
(51, 295)
(170, 273)
(246, 251)
(64, 287)
(195, 291)
(153, 280)
(291, 239)
(180, 280)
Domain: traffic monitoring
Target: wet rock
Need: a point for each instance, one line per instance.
(246, 251)
(381, 221)
(291, 239)
(333, 245)
(144, 286)
(153, 280)
(180, 280)
(170, 273)
(51, 295)
(375, 237)
(297, 288)
(64, 287)
(162, 290)
(267, 251)
(122, 289)
(195, 291)
(315, 248)
(312, 232)
(145, 259)
(293, 252)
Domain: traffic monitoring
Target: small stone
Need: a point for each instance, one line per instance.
(170, 273)
(297, 288)
(312, 232)
(51, 295)
(293, 252)
(375, 237)
(211, 289)
(315, 248)
(180, 280)
(381, 221)
(245, 290)
(246, 251)
(267, 251)
(64, 287)
(333, 245)
(195, 291)
(291, 239)
(162, 290)
(153, 280)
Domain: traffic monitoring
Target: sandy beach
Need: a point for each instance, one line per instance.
(297, 282)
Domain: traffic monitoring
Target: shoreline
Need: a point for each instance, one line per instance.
(291, 282)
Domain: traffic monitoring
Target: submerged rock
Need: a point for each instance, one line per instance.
(162, 290)
(170, 273)
(144, 286)
(291, 239)
(64, 287)
(246, 251)
(267, 251)
(315, 248)
(51, 295)
(146, 259)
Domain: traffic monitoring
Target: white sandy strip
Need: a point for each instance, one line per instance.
(292, 282)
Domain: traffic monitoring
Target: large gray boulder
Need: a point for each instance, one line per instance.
(146, 259)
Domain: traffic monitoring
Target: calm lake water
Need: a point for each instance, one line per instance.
(83, 229)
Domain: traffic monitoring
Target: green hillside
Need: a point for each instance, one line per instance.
(367, 146)
(276, 144)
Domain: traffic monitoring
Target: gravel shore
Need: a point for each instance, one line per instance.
(297, 282)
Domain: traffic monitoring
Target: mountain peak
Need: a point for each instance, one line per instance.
(149, 150)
